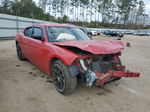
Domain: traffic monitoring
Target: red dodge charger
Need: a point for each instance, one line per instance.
(66, 53)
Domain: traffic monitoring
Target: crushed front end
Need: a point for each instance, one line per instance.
(102, 68)
(98, 61)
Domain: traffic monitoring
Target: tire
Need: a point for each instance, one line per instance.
(19, 53)
(64, 82)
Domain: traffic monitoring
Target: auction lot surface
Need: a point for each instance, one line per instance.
(24, 88)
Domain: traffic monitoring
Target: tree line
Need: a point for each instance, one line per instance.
(125, 14)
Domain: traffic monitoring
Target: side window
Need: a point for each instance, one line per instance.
(28, 32)
(37, 33)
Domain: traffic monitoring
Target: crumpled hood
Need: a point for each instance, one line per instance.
(95, 46)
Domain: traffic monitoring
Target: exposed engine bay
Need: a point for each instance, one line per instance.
(89, 64)
(101, 63)
(98, 64)
(98, 68)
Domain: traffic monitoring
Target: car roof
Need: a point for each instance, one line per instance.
(55, 24)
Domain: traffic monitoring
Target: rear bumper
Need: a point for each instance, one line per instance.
(103, 78)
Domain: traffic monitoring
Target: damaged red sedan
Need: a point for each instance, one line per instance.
(65, 53)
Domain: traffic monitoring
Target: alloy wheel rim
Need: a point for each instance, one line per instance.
(59, 79)
(19, 52)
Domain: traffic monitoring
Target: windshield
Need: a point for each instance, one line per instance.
(84, 30)
(59, 34)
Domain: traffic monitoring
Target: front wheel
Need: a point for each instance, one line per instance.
(19, 52)
(64, 82)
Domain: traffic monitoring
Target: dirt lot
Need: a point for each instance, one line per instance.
(25, 88)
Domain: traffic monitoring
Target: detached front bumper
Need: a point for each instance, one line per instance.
(103, 78)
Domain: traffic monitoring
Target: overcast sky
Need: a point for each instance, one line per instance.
(147, 5)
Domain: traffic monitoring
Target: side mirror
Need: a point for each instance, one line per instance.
(38, 37)
(89, 34)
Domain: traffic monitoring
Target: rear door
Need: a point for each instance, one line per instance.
(26, 41)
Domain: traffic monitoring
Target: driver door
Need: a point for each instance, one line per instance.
(37, 47)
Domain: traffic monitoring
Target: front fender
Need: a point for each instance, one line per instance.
(66, 56)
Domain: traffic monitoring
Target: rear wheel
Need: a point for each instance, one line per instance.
(19, 52)
(64, 82)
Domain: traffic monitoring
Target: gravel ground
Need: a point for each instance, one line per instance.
(25, 88)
